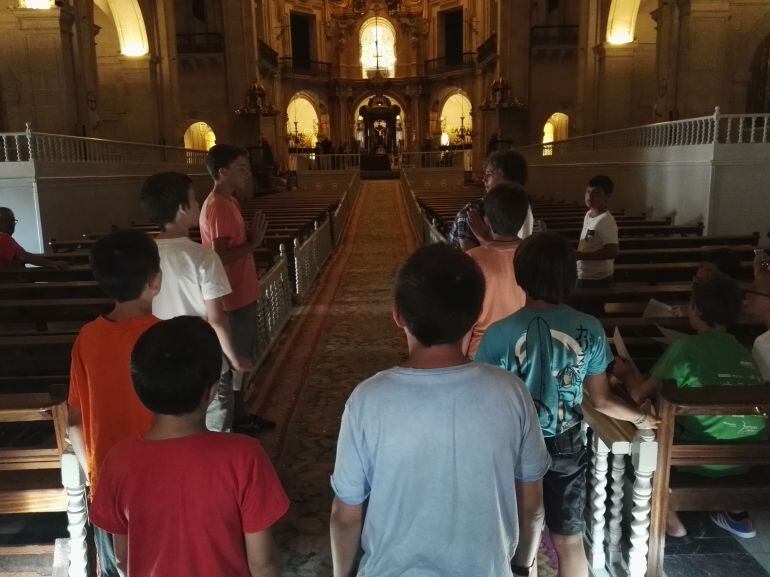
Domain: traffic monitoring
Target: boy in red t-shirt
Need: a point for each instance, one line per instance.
(182, 500)
(103, 406)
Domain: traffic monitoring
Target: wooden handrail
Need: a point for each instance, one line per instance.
(718, 400)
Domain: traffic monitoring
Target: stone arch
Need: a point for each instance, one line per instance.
(130, 25)
(455, 117)
(621, 21)
(302, 120)
(199, 135)
(401, 132)
(557, 127)
(382, 30)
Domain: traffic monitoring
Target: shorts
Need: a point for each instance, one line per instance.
(243, 328)
(564, 485)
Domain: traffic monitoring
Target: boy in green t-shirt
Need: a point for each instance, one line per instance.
(710, 358)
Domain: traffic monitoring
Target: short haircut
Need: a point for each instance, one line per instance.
(439, 294)
(5, 210)
(222, 156)
(603, 182)
(174, 364)
(511, 164)
(163, 194)
(725, 260)
(506, 205)
(546, 267)
(718, 299)
(124, 262)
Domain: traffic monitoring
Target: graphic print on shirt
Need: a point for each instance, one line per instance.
(553, 361)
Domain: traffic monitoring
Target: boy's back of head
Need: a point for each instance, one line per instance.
(511, 164)
(174, 364)
(124, 262)
(162, 195)
(222, 156)
(718, 299)
(506, 206)
(546, 267)
(439, 294)
(602, 182)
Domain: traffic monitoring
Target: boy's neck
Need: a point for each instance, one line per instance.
(175, 230)
(594, 212)
(130, 310)
(501, 238)
(177, 426)
(224, 189)
(537, 304)
(702, 328)
(437, 357)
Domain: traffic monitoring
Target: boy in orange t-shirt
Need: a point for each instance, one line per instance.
(103, 406)
(505, 209)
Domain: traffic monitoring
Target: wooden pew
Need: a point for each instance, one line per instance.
(41, 312)
(687, 492)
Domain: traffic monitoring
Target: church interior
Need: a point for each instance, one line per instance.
(369, 130)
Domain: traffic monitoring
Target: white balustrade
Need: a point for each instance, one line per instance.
(309, 258)
(275, 307)
(74, 481)
(434, 159)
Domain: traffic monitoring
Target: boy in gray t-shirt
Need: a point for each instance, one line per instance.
(445, 455)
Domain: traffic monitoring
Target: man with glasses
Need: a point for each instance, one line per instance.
(469, 229)
(12, 255)
(757, 303)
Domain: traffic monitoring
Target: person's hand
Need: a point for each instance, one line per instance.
(649, 421)
(242, 365)
(257, 229)
(479, 227)
(623, 370)
(678, 311)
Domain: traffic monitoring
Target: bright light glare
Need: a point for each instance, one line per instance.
(134, 49)
(36, 4)
(620, 37)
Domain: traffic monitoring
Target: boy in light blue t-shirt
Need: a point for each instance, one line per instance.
(557, 351)
(439, 461)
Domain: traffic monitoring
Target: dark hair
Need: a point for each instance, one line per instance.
(163, 194)
(439, 293)
(174, 364)
(222, 156)
(511, 164)
(603, 182)
(546, 267)
(718, 299)
(123, 262)
(505, 205)
(726, 260)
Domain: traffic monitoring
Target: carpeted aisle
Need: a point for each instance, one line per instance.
(344, 336)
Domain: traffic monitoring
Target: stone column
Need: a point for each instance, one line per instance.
(140, 90)
(616, 84)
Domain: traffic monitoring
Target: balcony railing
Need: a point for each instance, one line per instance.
(464, 61)
(554, 36)
(487, 50)
(267, 56)
(305, 68)
(209, 43)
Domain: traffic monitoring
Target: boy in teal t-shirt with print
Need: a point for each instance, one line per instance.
(557, 351)
(710, 358)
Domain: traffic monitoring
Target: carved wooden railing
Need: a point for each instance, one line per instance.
(342, 214)
(427, 228)
(604, 533)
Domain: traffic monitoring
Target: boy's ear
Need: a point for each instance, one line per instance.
(155, 282)
(397, 318)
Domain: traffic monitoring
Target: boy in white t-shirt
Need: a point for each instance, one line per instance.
(598, 245)
(194, 280)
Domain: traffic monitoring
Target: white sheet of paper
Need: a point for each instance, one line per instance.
(621, 349)
(657, 309)
(670, 335)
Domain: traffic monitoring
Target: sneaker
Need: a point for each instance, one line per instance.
(739, 524)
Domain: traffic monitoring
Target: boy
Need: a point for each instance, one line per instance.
(557, 351)
(223, 229)
(12, 256)
(469, 229)
(710, 358)
(757, 303)
(194, 278)
(505, 208)
(440, 451)
(103, 407)
(182, 500)
(598, 245)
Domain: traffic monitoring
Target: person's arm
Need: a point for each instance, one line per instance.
(215, 313)
(608, 251)
(120, 544)
(605, 402)
(638, 388)
(255, 235)
(40, 260)
(345, 529)
(75, 434)
(262, 554)
(529, 504)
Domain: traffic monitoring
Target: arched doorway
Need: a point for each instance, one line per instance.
(129, 24)
(758, 95)
(377, 40)
(456, 123)
(555, 128)
(301, 123)
(358, 124)
(199, 136)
